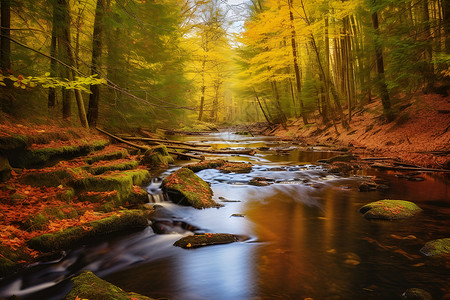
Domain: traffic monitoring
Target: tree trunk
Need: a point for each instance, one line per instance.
(53, 65)
(296, 67)
(202, 99)
(63, 10)
(262, 109)
(446, 24)
(380, 67)
(97, 44)
(5, 43)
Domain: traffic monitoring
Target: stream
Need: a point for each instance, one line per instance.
(302, 237)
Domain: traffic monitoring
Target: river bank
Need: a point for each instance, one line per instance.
(420, 135)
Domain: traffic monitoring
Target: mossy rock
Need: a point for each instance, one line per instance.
(13, 143)
(7, 266)
(185, 187)
(416, 294)
(41, 220)
(341, 158)
(200, 240)
(157, 157)
(46, 178)
(65, 239)
(436, 248)
(130, 165)
(236, 167)
(88, 286)
(206, 164)
(107, 156)
(121, 182)
(5, 169)
(390, 210)
(43, 156)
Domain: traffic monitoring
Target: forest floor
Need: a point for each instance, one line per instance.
(420, 135)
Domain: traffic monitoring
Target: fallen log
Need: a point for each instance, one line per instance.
(145, 148)
(143, 139)
(378, 158)
(399, 168)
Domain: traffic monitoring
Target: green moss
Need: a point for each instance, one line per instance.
(130, 165)
(201, 240)
(37, 222)
(88, 286)
(40, 157)
(41, 220)
(65, 239)
(7, 266)
(45, 178)
(12, 143)
(390, 209)
(107, 156)
(206, 164)
(437, 248)
(121, 182)
(185, 187)
(157, 157)
(66, 194)
(235, 167)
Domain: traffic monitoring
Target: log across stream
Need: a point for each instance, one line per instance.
(302, 236)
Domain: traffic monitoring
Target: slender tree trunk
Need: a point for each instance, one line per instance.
(5, 43)
(291, 86)
(63, 10)
(52, 98)
(97, 44)
(385, 100)
(262, 109)
(202, 99)
(446, 24)
(296, 67)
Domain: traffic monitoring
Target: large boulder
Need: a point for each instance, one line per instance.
(88, 286)
(438, 247)
(390, 210)
(185, 187)
(157, 157)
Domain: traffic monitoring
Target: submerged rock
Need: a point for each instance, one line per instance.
(416, 294)
(185, 187)
(390, 209)
(259, 181)
(437, 247)
(206, 164)
(200, 240)
(88, 286)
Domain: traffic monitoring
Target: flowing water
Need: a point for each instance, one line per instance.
(301, 237)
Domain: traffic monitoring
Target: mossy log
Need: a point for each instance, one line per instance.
(88, 286)
(200, 240)
(65, 239)
(185, 187)
(390, 210)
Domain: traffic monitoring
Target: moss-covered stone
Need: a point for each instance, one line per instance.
(157, 157)
(390, 209)
(206, 164)
(121, 182)
(88, 286)
(185, 187)
(65, 239)
(5, 169)
(200, 240)
(7, 266)
(235, 167)
(130, 165)
(107, 156)
(439, 247)
(13, 143)
(47, 178)
(41, 220)
(40, 157)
